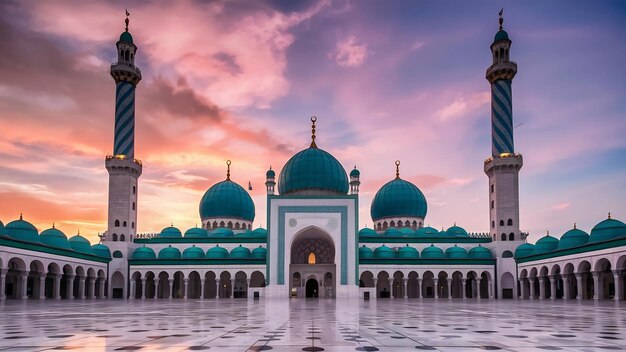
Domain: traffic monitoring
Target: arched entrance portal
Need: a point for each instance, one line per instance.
(312, 265)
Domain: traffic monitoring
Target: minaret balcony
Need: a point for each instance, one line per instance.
(122, 162)
(505, 161)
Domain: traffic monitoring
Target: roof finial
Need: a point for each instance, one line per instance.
(78, 232)
(609, 216)
(53, 226)
(126, 20)
(548, 233)
(313, 119)
(172, 224)
(397, 168)
(455, 223)
(270, 166)
(501, 20)
(574, 226)
(22, 219)
(228, 170)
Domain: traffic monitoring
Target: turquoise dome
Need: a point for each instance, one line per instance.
(193, 252)
(398, 198)
(80, 244)
(53, 237)
(407, 231)
(365, 252)
(170, 232)
(260, 231)
(605, 230)
(126, 37)
(384, 252)
(432, 252)
(545, 244)
(456, 231)
(249, 234)
(222, 232)
(427, 231)
(367, 232)
(355, 172)
(101, 251)
(408, 252)
(239, 253)
(393, 232)
(169, 253)
(480, 252)
(456, 252)
(144, 253)
(259, 253)
(573, 238)
(22, 230)
(217, 252)
(196, 232)
(227, 199)
(524, 250)
(313, 169)
(501, 35)
(270, 173)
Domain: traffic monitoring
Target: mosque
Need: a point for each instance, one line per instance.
(313, 247)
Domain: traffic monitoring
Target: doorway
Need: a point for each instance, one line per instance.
(312, 289)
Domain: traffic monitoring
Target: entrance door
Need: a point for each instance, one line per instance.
(312, 289)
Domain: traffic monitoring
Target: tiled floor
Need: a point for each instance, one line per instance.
(312, 325)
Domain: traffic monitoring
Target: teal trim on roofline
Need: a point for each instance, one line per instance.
(422, 239)
(616, 242)
(200, 261)
(233, 239)
(42, 248)
(421, 261)
(278, 196)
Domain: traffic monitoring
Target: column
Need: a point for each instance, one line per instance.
(464, 288)
(478, 296)
(186, 288)
(156, 287)
(490, 289)
(375, 287)
(248, 287)
(474, 291)
(542, 288)
(92, 288)
(171, 286)
(143, 288)
(56, 286)
(405, 286)
(232, 288)
(133, 289)
(3, 280)
(553, 279)
(449, 288)
(596, 285)
(81, 287)
(202, 288)
(533, 283)
(70, 287)
(419, 288)
(217, 288)
(566, 287)
(391, 288)
(24, 284)
(42, 286)
(618, 285)
(102, 282)
(579, 286)
(436, 288)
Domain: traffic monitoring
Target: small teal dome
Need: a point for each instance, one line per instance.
(456, 252)
(169, 253)
(605, 230)
(193, 252)
(408, 252)
(196, 232)
(270, 173)
(313, 169)
(260, 231)
(407, 231)
(384, 252)
(80, 244)
(392, 231)
(170, 232)
(427, 232)
(22, 230)
(480, 252)
(546, 244)
(126, 37)
(524, 250)
(217, 252)
(54, 237)
(222, 232)
(432, 252)
(259, 253)
(144, 253)
(240, 253)
(367, 232)
(365, 252)
(573, 238)
(456, 231)
(101, 251)
(398, 198)
(501, 35)
(355, 172)
(227, 199)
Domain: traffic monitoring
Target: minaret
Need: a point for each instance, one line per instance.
(504, 164)
(123, 168)
(355, 180)
(270, 182)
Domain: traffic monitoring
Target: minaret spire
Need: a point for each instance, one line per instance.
(228, 170)
(501, 20)
(397, 168)
(313, 119)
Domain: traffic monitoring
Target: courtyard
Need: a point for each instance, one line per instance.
(312, 325)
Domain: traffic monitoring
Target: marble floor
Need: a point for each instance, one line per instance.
(312, 325)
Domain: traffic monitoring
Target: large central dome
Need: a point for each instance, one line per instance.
(313, 169)
(399, 199)
(227, 199)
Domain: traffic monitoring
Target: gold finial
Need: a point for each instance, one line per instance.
(172, 224)
(609, 216)
(78, 232)
(53, 226)
(455, 223)
(501, 20)
(574, 226)
(126, 20)
(228, 170)
(397, 168)
(22, 219)
(548, 233)
(313, 119)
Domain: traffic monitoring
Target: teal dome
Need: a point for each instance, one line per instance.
(524, 250)
(126, 37)
(169, 253)
(427, 232)
(144, 253)
(407, 231)
(501, 35)
(170, 232)
(227, 199)
(193, 252)
(393, 232)
(249, 234)
(546, 244)
(480, 252)
(101, 251)
(80, 244)
(53, 237)
(22, 230)
(367, 232)
(573, 238)
(398, 198)
(313, 169)
(384, 252)
(432, 252)
(456, 252)
(240, 253)
(605, 230)
(270, 173)
(260, 231)
(259, 253)
(196, 232)
(456, 231)
(408, 252)
(217, 252)
(222, 232)
(365, 252)
(355, 172)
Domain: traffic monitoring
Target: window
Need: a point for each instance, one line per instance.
(133, 205)
(122, 238)
(379, 226)
(507, 254)
(311, 259)
(509, 222)
(236, 226)
(492, 188)
(117, 223)
(132, 225)
(222, 224)
(124, 224)
(114, 237)
(501, 222)
(503, 237)
(118, 254)
(214, 224)
(493, 224)
(492, 204)
(134, 189)
(230, 224)
(511, 236)
(392, 224)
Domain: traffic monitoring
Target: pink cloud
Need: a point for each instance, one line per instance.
(561, 206)
(350, 52)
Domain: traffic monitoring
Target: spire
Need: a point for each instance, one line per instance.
(53, 226)
(22, 219)
(397, 169)
(501, 20)
(574, 226)
(228, 170)
(313, 119)
(609, 216)
(126, 20)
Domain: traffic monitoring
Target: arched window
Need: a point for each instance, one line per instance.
(509, 222)
(311, 259)
(407, 223)
(501, 53)
(507, 254)
(118, 254)
(379, 226)
(132, 225)
(384, 225)
(114, 237)
(236, 226)
(126, 55)
(222, 224)
(117, 223)
(122, 238)
(414, 224)
(493, 224)
(249, 226)
(494, 236)
(133, 205)
(230, 224)
(214, 224)
(501, 222)
(503, 236)
(511, 236)
(124, 224)
(492, 204)
(421, 224)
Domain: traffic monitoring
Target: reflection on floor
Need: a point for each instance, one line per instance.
(312, 325)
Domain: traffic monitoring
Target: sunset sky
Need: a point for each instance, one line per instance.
(239, 80)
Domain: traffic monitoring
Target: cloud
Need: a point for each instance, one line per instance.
(561, 206)
(349, 52)
(462, 105)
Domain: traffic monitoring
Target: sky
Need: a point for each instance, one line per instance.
(388, 80)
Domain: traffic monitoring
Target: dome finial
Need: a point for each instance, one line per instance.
(501, 20)
(126, 20)
(574, 226)
(609, 216)
(313, 119)
(397, 168)
(548, 233)
(228, 170)
(22, 219)
(53, 225)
